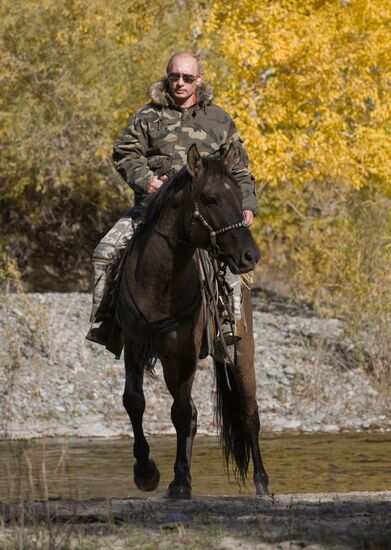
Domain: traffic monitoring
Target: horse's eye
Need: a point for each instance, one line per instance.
(209, 200)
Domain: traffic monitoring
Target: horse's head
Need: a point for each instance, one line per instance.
(214, 213)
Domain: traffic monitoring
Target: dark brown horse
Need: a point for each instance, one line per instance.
(161, 315)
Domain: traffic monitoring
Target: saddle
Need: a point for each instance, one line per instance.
(219, 335)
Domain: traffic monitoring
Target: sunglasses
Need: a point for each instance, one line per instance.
(187, 78)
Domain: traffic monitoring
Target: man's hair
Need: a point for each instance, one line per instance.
(189, 54)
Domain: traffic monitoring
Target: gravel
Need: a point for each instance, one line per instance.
(54, 383)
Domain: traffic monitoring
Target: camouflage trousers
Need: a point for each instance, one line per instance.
(106, 258)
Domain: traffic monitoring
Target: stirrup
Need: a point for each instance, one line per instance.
(230, 338)
(228, 333)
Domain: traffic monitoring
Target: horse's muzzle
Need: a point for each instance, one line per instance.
(245, 262)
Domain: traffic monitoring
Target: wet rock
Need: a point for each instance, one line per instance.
(289, 372)
(292, 425)
(172, 519)
(318, 417)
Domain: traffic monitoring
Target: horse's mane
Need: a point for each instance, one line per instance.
(157, 202)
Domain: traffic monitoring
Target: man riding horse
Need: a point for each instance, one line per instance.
(153, 148)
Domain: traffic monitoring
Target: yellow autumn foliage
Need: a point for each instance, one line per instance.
(309, 84)
(72, 73)
(306, 81)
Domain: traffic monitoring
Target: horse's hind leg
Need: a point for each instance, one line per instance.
(245, 379)
(237, 413)
(261, 480)
(179, 382)
(146, 474)
(237, 408)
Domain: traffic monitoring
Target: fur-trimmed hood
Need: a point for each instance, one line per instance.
(159, 93)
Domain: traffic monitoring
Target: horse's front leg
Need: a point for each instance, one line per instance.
(146, 474)
(179, 377)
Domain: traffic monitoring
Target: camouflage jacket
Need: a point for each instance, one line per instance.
(158, 136)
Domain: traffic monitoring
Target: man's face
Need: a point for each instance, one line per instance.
(181, 68)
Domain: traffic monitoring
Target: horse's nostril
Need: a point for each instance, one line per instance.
(247, 257)
(250, 256)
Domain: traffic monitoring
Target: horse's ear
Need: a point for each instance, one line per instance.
(194, 161)
(229, 157)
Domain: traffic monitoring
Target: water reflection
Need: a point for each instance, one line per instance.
(86, 468)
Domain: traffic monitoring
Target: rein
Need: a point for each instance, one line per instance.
(217, 294)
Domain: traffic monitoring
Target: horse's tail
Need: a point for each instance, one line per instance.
(233, 440)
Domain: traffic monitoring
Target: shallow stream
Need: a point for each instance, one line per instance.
(87, 468)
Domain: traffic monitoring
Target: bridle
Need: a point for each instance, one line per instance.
(214, 248)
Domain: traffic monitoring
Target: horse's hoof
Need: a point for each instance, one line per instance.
(261, 482)
(179, 492)
(262, 491)
(146, 479)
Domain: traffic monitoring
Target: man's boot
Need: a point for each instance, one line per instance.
(104, 328)
(108, 259)
(101, 317)
(100, 333)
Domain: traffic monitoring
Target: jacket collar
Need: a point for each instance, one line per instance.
(159, 93)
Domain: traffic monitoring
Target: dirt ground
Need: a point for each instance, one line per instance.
(324, 520)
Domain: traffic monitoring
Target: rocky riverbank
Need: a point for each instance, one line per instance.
(53, 382)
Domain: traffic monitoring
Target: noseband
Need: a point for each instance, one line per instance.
(214, 248)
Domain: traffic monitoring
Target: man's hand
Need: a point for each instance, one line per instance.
(155, 182)
(248, 216)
